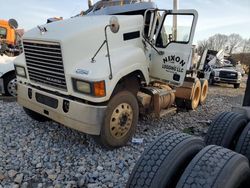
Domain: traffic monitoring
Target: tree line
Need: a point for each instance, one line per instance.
(232, 44)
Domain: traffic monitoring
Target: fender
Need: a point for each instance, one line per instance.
(124, 61)
(6, 65)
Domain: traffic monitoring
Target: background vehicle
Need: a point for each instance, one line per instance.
(11, 36)
(10, 46)
(100, 74)
(216, 69)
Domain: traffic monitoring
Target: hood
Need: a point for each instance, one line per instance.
(80, 37)
(229, 69)
(77, 41)
(66, 29)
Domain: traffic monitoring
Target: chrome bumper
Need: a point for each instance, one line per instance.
(226, 80)
(82, 117)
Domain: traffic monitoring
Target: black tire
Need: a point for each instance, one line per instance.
(204, 90)
(180, 103)
(10, 85)
(125, 123)
(211, 80)
(163, 162)
(35, 115)
(243, 144)
(216, 167)
(194, 102)
(225, 129)
(236, 86)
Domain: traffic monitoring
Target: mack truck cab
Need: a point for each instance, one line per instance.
(96, 73)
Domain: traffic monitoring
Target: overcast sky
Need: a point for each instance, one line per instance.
(215, 16)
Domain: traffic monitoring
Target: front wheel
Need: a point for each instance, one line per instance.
(120, 120)
(211, 81)
(10, 84)
(35, 116)
(236, 86)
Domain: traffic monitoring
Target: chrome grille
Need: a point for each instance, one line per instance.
(45, 63)
(228, 75)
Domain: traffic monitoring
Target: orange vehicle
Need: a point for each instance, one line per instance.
(10, 46)
(7, 33)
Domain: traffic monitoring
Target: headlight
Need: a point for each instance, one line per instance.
(96, 89)
(81, 86)
(239, 75)
(216, 73)
(20, 71)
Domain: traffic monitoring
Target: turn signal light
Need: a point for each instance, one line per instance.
(99, 89)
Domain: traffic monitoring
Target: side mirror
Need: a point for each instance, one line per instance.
(170, 37)
(114, 24)
(13, 23)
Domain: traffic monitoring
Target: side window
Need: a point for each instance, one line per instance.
(3, 33)
(175, 33)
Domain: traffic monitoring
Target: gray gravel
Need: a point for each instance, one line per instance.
(34, 154)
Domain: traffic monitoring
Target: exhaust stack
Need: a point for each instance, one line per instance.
(90, 3)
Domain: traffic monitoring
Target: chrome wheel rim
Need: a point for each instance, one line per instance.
(12, 87)
(121, 120)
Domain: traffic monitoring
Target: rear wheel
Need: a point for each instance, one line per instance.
(162, 164)
(226, 129)
(204, 90)
(120, 120)
(214, 167)
(10, 85)
(243, 144)
(194, 102)
(36, 116)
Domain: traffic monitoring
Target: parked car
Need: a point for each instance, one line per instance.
(216, 69)
(225, 74)
(10, 47)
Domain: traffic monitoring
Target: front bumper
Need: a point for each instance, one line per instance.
(1, 86)
(226, 80)
(82, 117)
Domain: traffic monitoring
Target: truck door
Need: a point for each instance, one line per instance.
(172, 45)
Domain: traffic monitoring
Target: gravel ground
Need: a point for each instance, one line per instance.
(34, 154)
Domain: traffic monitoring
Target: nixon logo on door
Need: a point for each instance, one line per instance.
(173, 64)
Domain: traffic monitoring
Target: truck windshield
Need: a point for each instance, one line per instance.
(3, 33)
(175, 33)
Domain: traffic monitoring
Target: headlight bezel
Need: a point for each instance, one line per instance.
(77, 89)
(93, 87)
(18, 73)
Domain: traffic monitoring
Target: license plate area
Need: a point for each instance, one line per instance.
(46, 100)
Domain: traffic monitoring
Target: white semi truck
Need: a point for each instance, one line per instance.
(9, 47)
(96, 74)
(7, 75)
